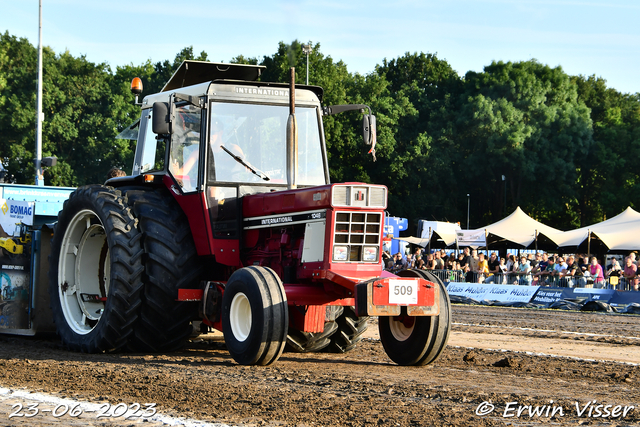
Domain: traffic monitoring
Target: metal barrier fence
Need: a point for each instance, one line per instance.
(616, 283)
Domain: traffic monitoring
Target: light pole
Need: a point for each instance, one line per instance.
(306, 48)
(504, 179)
(39, 118)
(468, 208)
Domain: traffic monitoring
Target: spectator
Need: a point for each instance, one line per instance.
(420, 264)
(473, 266)
(510, 260)
(494, 269)
(567, 275)
(523, 271)
(547, 275)
(583, 264)
(503, 270)
(512, 268)
(464, 260)
(450, 263)
(482, 269)
(614, 269)
(595, 270)
(385, 259)
(579, 277)
(629, 273)
(400, 263)
(409, 261)
(541, 265)
(115, 172)
(632, 255)
(431, 263)
(418, 253)
(559, 266)
(536, 260)
(439, 261)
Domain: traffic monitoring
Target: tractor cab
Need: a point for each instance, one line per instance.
(215, 135)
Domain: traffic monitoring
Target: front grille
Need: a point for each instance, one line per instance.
(359, 232)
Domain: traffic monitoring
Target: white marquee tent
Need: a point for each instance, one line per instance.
(522, 230)
(622, 232)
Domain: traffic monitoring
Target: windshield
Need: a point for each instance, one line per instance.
(248, 144)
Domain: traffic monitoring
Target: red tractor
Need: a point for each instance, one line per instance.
(229, 218)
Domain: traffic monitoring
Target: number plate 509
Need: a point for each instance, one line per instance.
(404, 292)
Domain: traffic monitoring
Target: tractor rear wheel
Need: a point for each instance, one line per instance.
(170, 263)
(349, 333)
(255, 316)
(95, 276)
(417, 340)
(307, 342)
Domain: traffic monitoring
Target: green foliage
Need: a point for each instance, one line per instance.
(524, 121)
(566, 145)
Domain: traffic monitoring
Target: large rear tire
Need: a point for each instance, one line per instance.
(417, 340)
(349, 333)
(307, 342)
(170, 263)
(255, 316)
(95, 273)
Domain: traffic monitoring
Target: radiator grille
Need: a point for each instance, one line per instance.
(358, 233)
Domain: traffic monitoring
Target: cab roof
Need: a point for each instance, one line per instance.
(193, 72)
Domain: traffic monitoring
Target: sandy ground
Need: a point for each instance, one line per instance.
(502, 367)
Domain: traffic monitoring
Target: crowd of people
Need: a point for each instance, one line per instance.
(532, 269)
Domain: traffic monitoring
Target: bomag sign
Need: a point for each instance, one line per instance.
(14, 213)
(15, 259)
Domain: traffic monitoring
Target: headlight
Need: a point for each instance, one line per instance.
(370, 254)
(340, 253)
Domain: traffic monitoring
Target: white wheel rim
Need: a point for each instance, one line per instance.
(240, 316)
(399, 331)
(83, 269)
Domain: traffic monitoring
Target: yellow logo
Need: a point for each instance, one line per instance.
(5, 208)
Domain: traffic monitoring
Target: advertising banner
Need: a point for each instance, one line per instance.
(13, 213)
(550, 295)
(15, 261)
(473, 238)
(491, 292)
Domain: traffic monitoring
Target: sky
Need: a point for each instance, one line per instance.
(599, 37)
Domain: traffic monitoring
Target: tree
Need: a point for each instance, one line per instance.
(524, 121)
(608, 176)
(419, 160)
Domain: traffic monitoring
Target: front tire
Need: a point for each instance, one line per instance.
(95, 274)
(417, 340)
(255, 316)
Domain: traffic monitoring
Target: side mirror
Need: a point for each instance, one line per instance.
(160, 118)
(369, 129)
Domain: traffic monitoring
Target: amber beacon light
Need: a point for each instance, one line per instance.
(136, 87)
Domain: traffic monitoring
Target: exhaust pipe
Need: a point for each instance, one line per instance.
(292, 136)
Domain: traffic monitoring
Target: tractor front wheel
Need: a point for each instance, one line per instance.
(255, 316)
(417, 340)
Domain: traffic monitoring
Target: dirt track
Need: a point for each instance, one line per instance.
(363, 387)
